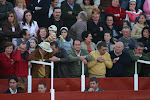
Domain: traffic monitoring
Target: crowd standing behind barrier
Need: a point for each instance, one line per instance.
(66, 16)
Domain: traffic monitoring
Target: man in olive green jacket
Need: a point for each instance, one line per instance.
(136, 54)
(76, 56)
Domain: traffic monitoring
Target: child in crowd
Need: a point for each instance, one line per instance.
(137, 28)
(33, 45)
(132, 12)
(52, 34)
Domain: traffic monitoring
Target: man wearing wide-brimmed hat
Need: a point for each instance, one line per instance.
(43, 53)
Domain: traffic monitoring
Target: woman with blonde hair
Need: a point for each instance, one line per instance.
(20, 8)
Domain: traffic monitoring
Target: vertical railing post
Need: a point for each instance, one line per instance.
(52, 82)
(29, 79)
(82, 79)
(136, 78)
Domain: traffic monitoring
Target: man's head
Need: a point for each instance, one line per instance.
(139, 47)
(102, 47)
(82, 16)
(25, 34)
(77, 45)
(42, 87)
(23, 47)
(3, 2)
(70, 1)
(93, 83)
(54, 46)
(126, 31)
(45, 47)
(57, 12)
(13, 81)
(119, 47)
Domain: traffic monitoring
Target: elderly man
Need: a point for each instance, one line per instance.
(101, 61)
(76, 56)
(69, 12)
(41, 54)
(56, 19)
(80, 26)
(121, 61)
(5, 7)
(136, 54)
(60, 59)
(126, 39)
(93, 85)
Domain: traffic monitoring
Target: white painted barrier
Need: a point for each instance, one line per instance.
(52, 79)
(82, 79)
(136, 75)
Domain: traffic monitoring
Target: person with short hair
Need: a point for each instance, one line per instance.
(43, 53)
(80, 26)
(13, 82)
(76, 56)
(60, 60)
(7, 67)
(135, 55)
(121, 61)
(101, 60)
(42, 87)
(93, 85)
(126, 39)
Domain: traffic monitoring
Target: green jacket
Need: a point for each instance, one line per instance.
(74, 66)
(4, 9)
(131, 68)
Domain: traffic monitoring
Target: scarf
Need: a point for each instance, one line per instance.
(89, 46)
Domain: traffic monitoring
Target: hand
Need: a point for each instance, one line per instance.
(54, 58)
(12, 61)
(132, 9)
(91, 90)
(85, 61)
(61, 38)
(117, 15)
(100, 59)
(38, 8)
(82, 57)
(137, 55)
(115, 60)
(70, 12)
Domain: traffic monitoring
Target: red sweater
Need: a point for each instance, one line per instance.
(21, 65)
(116, 10)
(6, 68)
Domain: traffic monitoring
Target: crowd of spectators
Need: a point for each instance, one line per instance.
(68, 32)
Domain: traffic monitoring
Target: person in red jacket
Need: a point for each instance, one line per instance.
(6, 61)
(21, 65)
(118, 12)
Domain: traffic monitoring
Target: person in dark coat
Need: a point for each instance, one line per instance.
(13, 81)
(96, 26)
(121, 61)
(69, 12)
(39, 9)
(60, 59)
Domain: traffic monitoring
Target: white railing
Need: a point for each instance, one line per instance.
(136, 75)
(82, 79)
(52, 79)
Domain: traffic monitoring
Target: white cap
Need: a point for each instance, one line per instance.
(53, 28)
(64, 28)
(132, 1)
(45, 46)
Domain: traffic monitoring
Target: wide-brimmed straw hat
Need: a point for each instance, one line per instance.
(46, 46)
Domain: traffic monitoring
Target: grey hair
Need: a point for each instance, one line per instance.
(120, 43)
(126, 27)
(83, 15)
(139, 44)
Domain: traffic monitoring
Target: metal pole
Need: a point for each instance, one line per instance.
(52, 82)
(29, 79)
(82, 79)
(136, 78)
